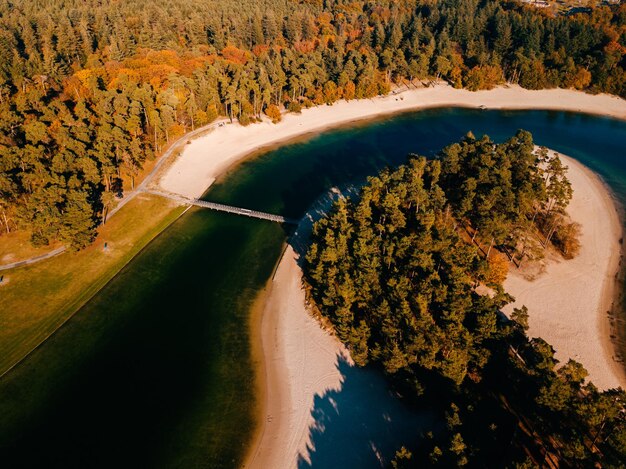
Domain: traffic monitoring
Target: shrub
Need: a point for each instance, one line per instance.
(273, 113)
(498, 268)
(295, 107)
(566, 239)
(244, 120)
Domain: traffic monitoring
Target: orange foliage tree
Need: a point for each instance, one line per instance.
(273, 113)
(498, 268)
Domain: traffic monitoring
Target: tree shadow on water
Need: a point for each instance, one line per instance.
(299, 239)
(360, 425)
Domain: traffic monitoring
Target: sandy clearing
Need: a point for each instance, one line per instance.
(568, 303)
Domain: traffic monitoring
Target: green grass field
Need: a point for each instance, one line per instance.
(37, 299)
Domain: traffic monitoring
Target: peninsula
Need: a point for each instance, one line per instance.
(301, 357)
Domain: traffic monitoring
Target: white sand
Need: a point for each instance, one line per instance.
(208, 156)
(568, 303)
(300, 363)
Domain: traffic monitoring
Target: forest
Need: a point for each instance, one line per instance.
(409, 275)
(90, 91)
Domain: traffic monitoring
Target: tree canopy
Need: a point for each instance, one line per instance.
(90, 91)
(405, 274)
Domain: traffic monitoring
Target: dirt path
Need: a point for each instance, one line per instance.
(142, 187)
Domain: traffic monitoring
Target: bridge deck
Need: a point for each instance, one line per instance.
(244, 211)
(228, 208)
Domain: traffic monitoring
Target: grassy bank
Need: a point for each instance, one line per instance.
(156, 370)
(37, 299)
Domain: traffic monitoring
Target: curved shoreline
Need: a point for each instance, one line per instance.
(300, 365)
(206, 158)
(568, 302)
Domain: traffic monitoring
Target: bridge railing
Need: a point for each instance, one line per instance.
(244, 211)
(227, 208)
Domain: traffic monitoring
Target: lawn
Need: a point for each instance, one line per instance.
(35, 300)
(16, 246)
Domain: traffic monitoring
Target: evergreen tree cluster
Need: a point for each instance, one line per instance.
(89, 90)
(405, 274)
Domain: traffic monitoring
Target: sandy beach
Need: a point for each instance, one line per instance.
(568, 303)
(206, 157)
(300, 362)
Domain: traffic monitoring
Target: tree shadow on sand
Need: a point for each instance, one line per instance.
(362, 424)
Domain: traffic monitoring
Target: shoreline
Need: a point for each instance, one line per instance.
(196, 168)
(290, 337)
(611, 294)
(262, 320)
(264, 328)
(73, 304)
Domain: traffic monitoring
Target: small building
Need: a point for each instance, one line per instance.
(537, 3)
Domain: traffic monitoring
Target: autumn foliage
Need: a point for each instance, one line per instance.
(498, 268)
(273, 113)
(87, 96)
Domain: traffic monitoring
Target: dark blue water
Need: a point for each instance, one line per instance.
(156, 370)
(288, 179)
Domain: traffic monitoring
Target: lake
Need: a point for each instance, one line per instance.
(157, 369)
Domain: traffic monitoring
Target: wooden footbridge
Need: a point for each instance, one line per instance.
(226, 208)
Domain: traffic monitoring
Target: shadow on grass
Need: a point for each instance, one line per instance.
(362, 424)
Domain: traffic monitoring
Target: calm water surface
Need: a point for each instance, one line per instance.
(155, 371)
